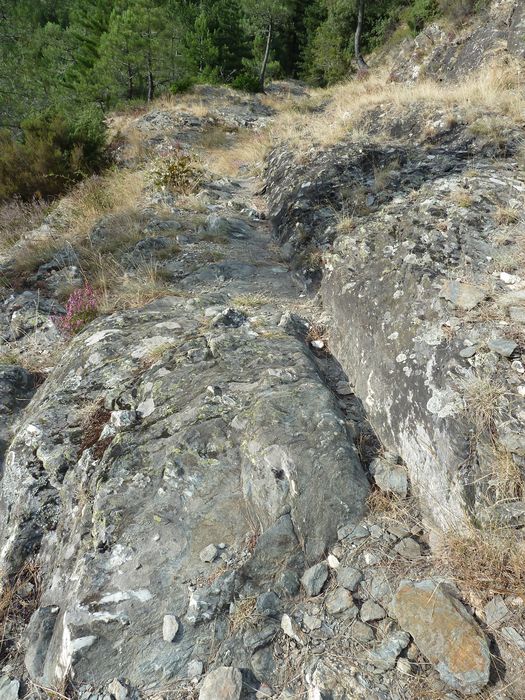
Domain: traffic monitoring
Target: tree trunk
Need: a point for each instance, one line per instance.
(361, 63)
(151, 86)
(130, 82)
(262, 74)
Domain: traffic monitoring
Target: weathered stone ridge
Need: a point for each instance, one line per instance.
(420, 207)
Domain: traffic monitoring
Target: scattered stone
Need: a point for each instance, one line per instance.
(404, 666)
(391, 478)
(333, 561)
(195, 669)
(312, 622)
(264, 692)
(222, 684)
(349, 577)
(408, 548)
(317, 344)
(361, 632)
(314, 579)
(292, 629)
(508, 278)
(287, 584)
(445, 633)
(209, 554)
(384, 656)
(517, 366)
(464, 296)
(268, 604)
(470, 351)
(517, 314)
(352, 532)
(502, 346)
(170, 627)
(9, 688)
(371, 611)
(338, 601)
(118, 690)
(496, 612)
(514, 637)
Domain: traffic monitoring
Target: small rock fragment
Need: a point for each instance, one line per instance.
(339, 601)
(408, 548)
(371, 611)
(470, 351)
(170, 627)
(222, 684)
(349, 577)
(317, 344)
(268, 604)
(209, 553)
(118, 690)
(502, 346)
(312, 622)
(344, 389)
(9, 688)
(465, 296)
(391, 478)
(513, 637)
(361, 632)
(496, 612)
(352, 532)
(195, 669)
(292, 629)
(384, 656)
(314, 579)
(333, 562)
(404, 666)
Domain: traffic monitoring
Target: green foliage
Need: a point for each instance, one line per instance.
(420, 13)
(182, 85)
(53, 152)
(246, 81)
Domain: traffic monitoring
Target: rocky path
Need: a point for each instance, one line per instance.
(194, 506)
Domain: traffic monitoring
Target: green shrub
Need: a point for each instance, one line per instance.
(420, 13)
(460, 9)
(182, 85)
(53, 152)
(246, 81)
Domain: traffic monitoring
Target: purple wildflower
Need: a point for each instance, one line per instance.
(81, 309)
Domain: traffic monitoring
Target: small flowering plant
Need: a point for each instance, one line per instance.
(81, 309)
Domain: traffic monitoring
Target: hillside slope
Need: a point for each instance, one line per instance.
(273, 447)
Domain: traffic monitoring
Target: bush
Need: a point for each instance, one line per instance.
(460, 9)
(248, 82)
(420, 13)
(53, 152)
(177, 171)
(182, 85)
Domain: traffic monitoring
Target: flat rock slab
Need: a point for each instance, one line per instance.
(445, 633)
(222, 684)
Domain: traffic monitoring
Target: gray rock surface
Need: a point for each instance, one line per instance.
(222, 684)
(314, 578)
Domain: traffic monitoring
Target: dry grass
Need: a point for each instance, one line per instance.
(247, 152)
(121, 289)
(462, 198)
(494, 89)
(18, 600)
(486, 562)
(17, 218)
(504, 216)
(244, 614)
(483, 397)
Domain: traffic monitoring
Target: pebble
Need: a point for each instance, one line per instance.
(9, 688)
(195, 669)
(333, 562)
(502, 346)
(404, 666)
(314, 579)
(371, 611)
(361, 632)
(496, 612)
(408, 548)
(384, 656)
(513, 637)
(268, 604)
(118, 690)
(517, 366)
(292, 629)
(170, 627)
(312, 622)
(222, 684)
(468, 352)
(317, 344)
(338, 601)
(209, 554)
(352, 532)
(349, 577)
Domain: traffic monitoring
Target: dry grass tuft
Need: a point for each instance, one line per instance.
(486, 562)
(17, 218)
(247, 153)
(244, 614)
(18, 601)
(483, 397)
